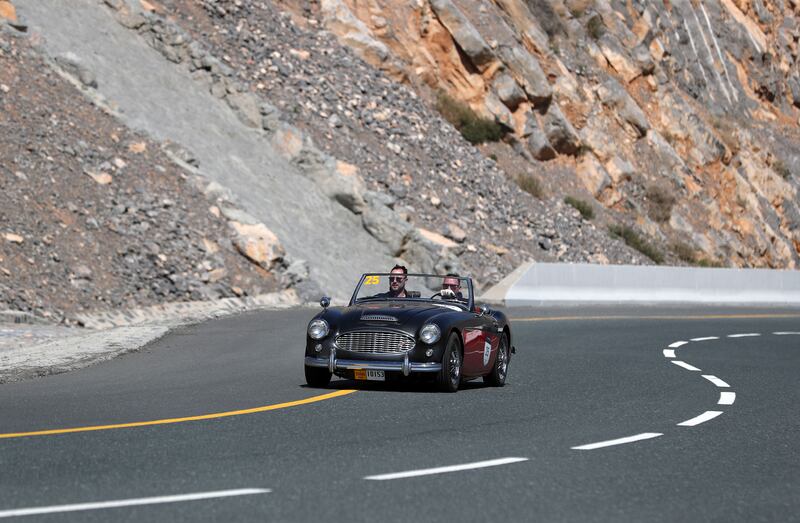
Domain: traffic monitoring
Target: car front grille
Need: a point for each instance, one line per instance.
(372, 342)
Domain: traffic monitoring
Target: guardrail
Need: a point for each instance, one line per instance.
(547, 283)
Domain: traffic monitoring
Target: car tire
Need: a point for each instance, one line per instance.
(317, 377)
(497, 377)
(449, 378)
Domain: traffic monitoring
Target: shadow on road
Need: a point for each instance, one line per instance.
(408, 386)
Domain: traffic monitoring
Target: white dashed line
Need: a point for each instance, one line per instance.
(677, 344)
(620, 441)
(442, 470)
(745, 335)
(716, 381)
(130, 502)
(702, 418)
(669, 353)
(707, 338)
(685, 365)
(786, 333)
(726, 398)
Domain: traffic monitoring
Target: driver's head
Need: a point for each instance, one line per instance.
(452, 282)
(397, 280)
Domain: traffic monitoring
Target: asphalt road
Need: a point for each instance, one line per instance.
(580, 376)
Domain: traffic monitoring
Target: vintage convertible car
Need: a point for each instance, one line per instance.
(430, 327)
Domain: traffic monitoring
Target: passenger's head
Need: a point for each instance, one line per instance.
(397, 279)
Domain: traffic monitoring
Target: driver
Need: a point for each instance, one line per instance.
(451, 287)
(397, 283)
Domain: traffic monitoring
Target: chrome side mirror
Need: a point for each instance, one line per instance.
(484, 309)
(325, 302)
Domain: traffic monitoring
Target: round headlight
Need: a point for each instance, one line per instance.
(430, 333)
(318, 329)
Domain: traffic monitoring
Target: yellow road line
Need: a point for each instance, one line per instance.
(312, 399)
(661, 317)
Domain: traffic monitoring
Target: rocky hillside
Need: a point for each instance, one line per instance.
(431, 198)
(461, 135)
(678, 119)
(94, 216)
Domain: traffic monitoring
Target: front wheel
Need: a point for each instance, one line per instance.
(317, 377)
(449, 378)
(497, 377)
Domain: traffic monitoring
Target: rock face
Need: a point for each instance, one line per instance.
(705, 96)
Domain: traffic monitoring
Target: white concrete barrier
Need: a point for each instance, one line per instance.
(540, 283)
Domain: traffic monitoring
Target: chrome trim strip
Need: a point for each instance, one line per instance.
(372, 365)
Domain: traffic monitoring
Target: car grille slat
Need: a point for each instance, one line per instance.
(377, 317)
(375, 342)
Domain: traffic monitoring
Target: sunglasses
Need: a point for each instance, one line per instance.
(450, 285)
(397, 278)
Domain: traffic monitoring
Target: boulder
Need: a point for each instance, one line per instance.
(593, 175)
(385, 225)
(338, 180)
(258, 244)
(463, 32)
(247, 107)
(614, 96)
(538, 144)
(508, 90)
(598, 139)
(619, 169)
(74, 66)
(618, 57)
(528, 72)
(13, 238)
(424, 251)
(643, 59)
(288, 141)
(501, 113)
(456, 233)
(7, 11)
(528, 26)
(270, 117)
(352, 32)
(560, 132)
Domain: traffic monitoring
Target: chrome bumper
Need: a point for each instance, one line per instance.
(406, 367)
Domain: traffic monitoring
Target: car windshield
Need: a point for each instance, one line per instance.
(452, 290)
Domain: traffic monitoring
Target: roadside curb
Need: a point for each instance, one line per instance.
(111, 334)
(190, 311)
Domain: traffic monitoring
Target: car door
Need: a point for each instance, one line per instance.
(480, 344)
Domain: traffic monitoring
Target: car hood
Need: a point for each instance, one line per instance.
(395, 313)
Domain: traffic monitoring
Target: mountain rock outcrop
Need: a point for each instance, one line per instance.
(697, 98)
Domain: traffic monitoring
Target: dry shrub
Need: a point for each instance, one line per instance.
(661, 198)
(473, 127)
(584, 207)
(634, 240)
(531, 185)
